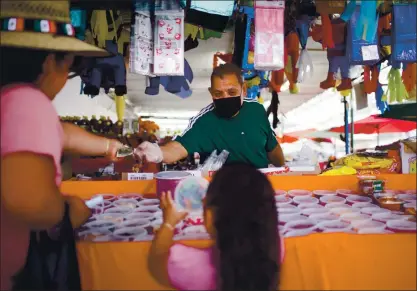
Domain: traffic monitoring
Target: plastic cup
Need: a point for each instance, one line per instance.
(323, 193)
(343, 210)
(373, 231)
(109, 197)
(355, 218)
(138, 222)
(126, 202)
(305, 199)
(298, 232)
(149, 209)
(309, 205)
(288, 209)
(346, 192)
(319, 217)
(369, 226)
(100, 225)
(282, 199)
(285, 218)
(310, 211)
(358, 198)
(411, 191)
(373, 210)
(302, 224)
(280, 192)
(334, 226)
(299, 192)
(110, 217)
(386, 216)
(333, 199)
(119, 210)
(124, 233)
(149, 202)
(401, 226)
(407, 197)
(140, 215)
(363, 205)
(336, 205)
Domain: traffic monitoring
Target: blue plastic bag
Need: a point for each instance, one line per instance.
(360, 51)
(404, 33)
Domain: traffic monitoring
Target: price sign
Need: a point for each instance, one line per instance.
(137, 176)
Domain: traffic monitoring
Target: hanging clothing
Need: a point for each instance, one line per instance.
(239, 42)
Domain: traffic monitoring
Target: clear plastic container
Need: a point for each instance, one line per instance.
(309, 205)
(149, 202)
(289, 210)
(373, 210)
(282, 199)
(386, 216)
(334, 226)
(310, 211)
(299, 192)
(335, 205)
(332, 199)
(346, 192)
(344, 210)
(280, 192)
(401, 225)
(284, 218)
(363, 205)
(319, 217)
(303, 224)
(355, 218)
(305, 199)
(407, 197)
(298, 232)
(322, 193)
(358, 198)
(126, 202)
(129, 232)
(370, 226)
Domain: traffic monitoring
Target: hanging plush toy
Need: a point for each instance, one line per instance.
(336, 56)
(106, 73)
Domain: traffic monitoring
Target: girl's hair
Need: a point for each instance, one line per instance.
(21, 65)
(246, 225)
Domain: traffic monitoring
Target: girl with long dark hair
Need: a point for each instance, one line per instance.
(241, 217)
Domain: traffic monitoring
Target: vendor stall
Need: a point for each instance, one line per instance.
(321, 261)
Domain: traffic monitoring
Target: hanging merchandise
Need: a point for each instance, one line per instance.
(367, 21)
(380, 97)
(362, 50)
(106, 73)
(305, 63)
(241, 34)
(178, 85)
(269, 35)
(79, 22)
(397, 92)
(404, 32)
(141, 45)
(169, 43)
(213, 15)
(326, 8)
(338, 61)
(370, 79)
(409, 77)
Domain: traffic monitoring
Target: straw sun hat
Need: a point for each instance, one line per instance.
(42, 25)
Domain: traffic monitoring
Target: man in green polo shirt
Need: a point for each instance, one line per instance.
(230, 123)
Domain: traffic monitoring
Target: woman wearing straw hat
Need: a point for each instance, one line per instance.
(37, 50)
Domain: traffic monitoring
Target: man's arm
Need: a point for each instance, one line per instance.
(82, 142)
(276, 156)
(173, 152)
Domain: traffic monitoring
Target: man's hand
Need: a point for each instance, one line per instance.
(151, 152)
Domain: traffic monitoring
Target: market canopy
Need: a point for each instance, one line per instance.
(407, 111)
(375, 124)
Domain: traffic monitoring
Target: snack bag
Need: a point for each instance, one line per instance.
(339, 171)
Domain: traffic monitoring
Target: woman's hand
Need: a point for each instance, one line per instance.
(171, 215)
(78, 211)
(114, 146)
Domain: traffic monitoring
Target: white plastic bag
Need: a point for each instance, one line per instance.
(304, 66)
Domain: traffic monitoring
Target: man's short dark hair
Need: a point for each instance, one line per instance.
(227, 69)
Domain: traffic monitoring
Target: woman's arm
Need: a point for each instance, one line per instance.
(82, 142)
(29, 192)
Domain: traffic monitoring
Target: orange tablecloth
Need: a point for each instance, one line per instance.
(314, 262)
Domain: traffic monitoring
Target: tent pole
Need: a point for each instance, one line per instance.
(346, 106)
(352, 126)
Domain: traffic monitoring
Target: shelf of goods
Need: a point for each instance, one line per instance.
(318, 261)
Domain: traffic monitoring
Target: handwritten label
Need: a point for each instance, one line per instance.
(370, 52)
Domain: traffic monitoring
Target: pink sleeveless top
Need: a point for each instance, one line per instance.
(193, 269)
(29, 123)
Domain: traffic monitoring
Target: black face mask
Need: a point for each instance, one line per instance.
(227, 107)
